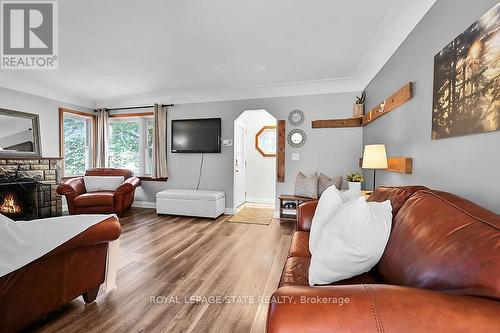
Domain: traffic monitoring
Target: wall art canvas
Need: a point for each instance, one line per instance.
(466, 81)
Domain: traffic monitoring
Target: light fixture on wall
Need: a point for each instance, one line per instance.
(374, 157)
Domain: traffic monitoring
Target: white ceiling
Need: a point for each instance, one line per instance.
(113, 52)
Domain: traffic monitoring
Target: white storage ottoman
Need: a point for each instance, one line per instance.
(200, 203)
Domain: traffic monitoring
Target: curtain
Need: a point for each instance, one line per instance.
(101, 144)
(159, 169)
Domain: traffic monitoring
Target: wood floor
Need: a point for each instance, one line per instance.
(177, 258)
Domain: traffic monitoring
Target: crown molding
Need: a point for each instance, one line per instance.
(315, 87)
(50, 93)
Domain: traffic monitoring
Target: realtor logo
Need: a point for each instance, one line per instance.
(29, 34)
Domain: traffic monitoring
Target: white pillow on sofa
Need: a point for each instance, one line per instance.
(5, 219)
(102, 183)
(352, 242)
(328, 204)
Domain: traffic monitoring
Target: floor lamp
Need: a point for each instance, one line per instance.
(374, 157)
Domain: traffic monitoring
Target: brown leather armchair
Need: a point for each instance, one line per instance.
(81, 202)
(440, 272)
(75, 268)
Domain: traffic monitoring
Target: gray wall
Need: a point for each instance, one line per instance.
(332, 151)
(47, 109)
(467, 166)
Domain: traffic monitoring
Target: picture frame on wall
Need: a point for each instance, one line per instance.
(467, 81)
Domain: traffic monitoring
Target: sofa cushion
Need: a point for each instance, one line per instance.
(300, 245)
(443, 242)
(397, 195)
(93, 199)
(296, 271)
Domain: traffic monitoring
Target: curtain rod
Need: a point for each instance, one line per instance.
(135, 107)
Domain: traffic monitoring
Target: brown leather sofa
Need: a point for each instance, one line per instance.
(81, 202)
(440, 272)
(75, 268)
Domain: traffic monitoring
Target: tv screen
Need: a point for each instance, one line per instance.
(196, 135)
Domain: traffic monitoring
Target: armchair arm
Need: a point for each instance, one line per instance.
(72, 187)
(102, 232)
(305, 214)
(378, 308)
(129, 185)
(124, 194)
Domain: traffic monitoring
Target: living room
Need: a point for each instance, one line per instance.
(186, 167)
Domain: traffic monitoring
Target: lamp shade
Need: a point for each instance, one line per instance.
(374, 157)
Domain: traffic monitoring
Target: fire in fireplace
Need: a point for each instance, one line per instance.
(10, 205)
(24, 198)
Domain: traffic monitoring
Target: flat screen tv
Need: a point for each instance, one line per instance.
(196, 135)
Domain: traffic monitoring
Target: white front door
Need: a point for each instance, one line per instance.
(239, 166)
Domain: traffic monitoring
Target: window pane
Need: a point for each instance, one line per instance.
(75, 152)
(148, 163)
(149, 124)
(124, 145)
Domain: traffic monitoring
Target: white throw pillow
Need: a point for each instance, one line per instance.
(5, 219)
(352, 242)
(328, 205)
(351, 193)
(102, 183)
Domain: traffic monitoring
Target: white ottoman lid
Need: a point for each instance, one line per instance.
(203, 195)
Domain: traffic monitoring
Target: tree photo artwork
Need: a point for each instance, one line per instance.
(466, 81)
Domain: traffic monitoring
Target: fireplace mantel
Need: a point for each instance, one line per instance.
(29, 158)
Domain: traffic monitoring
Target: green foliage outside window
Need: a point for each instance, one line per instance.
(74, 146)
(124, 145)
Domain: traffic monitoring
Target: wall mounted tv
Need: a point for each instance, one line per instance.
(196, 135)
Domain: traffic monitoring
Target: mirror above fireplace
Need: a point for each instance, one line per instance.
(19, 134)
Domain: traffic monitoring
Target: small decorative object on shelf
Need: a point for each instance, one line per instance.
(359, 106)
(354, 179)
(296, 118)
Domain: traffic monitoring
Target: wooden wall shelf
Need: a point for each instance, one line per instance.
(337, 123)
(397, 164)
(404, 94)
(400, 97)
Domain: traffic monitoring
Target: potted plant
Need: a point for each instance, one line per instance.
(359, 106)
(354, 180)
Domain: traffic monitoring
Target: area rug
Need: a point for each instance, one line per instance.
(253, 215)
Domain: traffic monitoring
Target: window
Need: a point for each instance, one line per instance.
(131, 144)
(76, 141)
(265, 141)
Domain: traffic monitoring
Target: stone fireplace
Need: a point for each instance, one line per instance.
(28, 188)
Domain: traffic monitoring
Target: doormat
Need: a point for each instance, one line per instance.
(253, 215)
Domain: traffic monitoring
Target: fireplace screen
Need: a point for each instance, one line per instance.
(25, 199)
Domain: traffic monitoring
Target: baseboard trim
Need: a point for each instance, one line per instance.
(260, 200)
(144, 204)
(150, 204)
